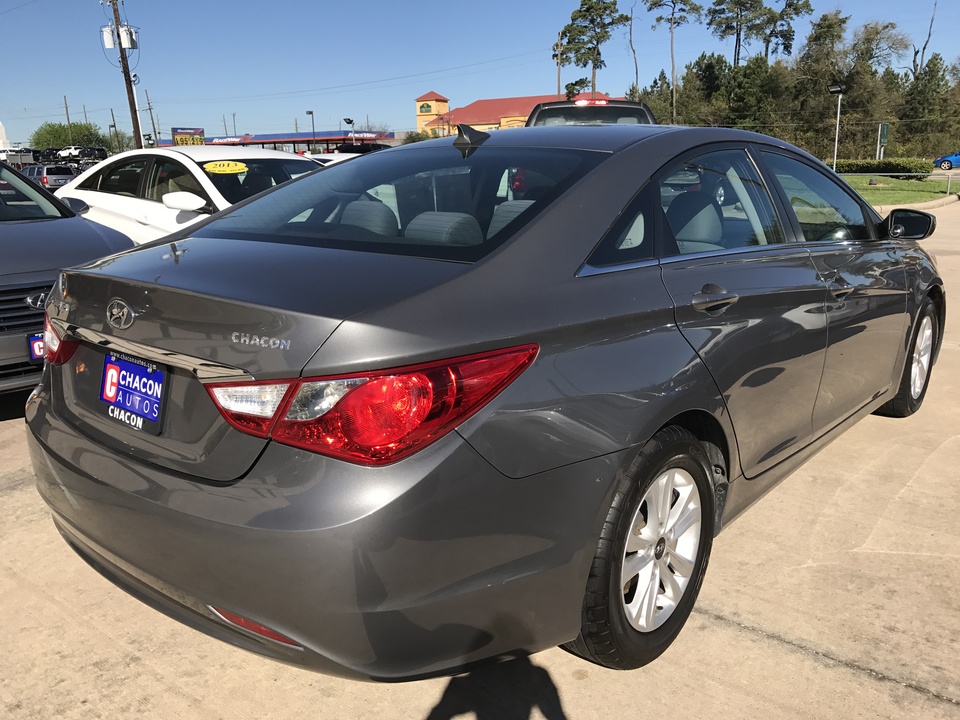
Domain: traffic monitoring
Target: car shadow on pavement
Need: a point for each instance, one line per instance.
(505, 691)
(11, 404)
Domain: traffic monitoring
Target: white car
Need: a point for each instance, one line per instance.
(330, 158)
(71, 151)
(149, 193)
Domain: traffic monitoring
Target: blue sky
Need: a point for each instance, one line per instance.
(261, 65)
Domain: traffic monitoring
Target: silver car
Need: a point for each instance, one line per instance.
(49, 177)
(473, 397)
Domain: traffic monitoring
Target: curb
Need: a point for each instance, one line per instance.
(929, 205)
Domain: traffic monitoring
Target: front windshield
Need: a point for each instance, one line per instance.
(22, 200)
(425, 201)
(239, 178)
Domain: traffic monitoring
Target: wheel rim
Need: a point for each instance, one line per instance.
(946, 165)
(662, 549)
(922, 352)
(720, 195)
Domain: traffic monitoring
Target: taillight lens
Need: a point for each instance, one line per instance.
(374, 418)
(56, 350)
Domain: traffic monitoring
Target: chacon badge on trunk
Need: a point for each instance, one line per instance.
(119, 314)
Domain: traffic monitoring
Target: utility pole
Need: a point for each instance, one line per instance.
(559, 58)
(113, 124)
(153, 124)
(124, 38)
(225, 125)
(69, 126)
(85, 114)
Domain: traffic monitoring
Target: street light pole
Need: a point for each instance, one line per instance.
(313, 131)
(353, 135)
(837, 90)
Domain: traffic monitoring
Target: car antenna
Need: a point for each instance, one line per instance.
(469, 139)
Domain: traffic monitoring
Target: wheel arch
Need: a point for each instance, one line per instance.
(939, 299)
(710, 433)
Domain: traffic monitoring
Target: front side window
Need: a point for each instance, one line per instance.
(717, 201)
(167, 176)
(824, 210)
(428, 202)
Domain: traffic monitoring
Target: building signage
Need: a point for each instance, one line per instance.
(187, 136)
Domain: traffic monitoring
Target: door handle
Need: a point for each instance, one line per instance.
(840, 290)
(713, 299)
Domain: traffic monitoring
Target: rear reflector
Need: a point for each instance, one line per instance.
(257, 628)
(372, 418)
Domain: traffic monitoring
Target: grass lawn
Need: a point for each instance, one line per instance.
(891, 191)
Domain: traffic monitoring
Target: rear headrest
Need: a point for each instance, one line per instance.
(445, 228)
(504, 213)
(374, 216)
(694, 216)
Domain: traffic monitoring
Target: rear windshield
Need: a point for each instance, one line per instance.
(237, 179)
(429, 202)
(59, 170)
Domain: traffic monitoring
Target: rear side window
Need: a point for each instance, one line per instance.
(427, 202)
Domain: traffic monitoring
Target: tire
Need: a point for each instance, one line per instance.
(916, 371)
(946, 165)
(642, 584)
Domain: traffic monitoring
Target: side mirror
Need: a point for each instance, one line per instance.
(904, 224)
(188, 201)
(76, 204)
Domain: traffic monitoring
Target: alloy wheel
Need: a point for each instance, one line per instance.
(661, 550)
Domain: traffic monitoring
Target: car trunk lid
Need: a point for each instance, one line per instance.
(196, 311)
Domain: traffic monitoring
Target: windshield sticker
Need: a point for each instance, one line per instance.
(225, 167)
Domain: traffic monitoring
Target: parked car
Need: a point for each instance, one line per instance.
(329, 158)
(591, 112)
(947, 162)
(94, 154)
(49, 155)
(150, 193)
(38, 236)
(69, 152)
(49, 177)
(419, 410)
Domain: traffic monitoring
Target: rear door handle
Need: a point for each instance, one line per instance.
(840, 289)
(713, 299)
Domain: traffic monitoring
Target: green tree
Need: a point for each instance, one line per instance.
(734, 18)
(930, 120)
(774, 28)
(413, 137)
(590, 27)
(60, 135)
(676, 13)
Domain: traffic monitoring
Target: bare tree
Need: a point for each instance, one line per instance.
(678, 12)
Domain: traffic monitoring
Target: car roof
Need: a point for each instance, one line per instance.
(206, 153)
(605, 138)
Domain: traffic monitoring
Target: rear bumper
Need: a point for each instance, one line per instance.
(416, 569)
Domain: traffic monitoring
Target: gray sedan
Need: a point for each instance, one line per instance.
(38, 236)
(473, 397)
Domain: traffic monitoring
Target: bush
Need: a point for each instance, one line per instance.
(887, 166)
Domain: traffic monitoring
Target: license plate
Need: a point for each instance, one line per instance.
(132, 391)
(35, 348)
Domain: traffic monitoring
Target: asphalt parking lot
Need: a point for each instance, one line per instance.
(836, 596)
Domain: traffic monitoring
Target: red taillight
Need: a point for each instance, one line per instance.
(56, 350)
(43, 180)
(374, 418)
